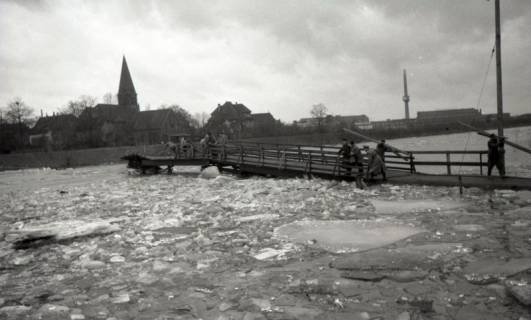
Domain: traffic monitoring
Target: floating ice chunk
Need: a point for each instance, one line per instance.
(209, 173)
(346, 235)
(269, 253)
(63, 230)
(406, 206)
(263, 216)
(469, 227)
(158, 223)
(117, 259)
(121, 298)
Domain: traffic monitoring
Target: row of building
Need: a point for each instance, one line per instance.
(125, 124)
(425, 119)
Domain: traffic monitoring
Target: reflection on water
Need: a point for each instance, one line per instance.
(518, 163)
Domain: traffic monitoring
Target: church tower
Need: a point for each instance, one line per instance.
(126, 91)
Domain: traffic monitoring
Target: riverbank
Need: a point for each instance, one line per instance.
(72, 158)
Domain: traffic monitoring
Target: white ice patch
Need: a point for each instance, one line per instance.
(158, 223)
(408, 206)
(264, 216)
(469, 227)
(270, 253)
(346, 235)
(209, 173)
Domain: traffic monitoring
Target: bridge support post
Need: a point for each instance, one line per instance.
(480, 164)
(448, 165)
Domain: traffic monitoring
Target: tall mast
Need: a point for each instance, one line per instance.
(499, 94)
(406, 96)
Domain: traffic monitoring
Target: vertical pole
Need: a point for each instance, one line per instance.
(448, 166)
(480, 164)
(499, 91)
(285, 160)
(224, 154)
(309, 163)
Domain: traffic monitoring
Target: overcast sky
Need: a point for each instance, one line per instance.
(277, 56)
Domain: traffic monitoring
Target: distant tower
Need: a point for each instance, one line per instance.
(126, 91)
(406, 96)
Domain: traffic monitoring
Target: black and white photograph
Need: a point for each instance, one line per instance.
(265, 159)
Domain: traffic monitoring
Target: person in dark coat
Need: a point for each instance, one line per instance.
(356, 161)
(356, 157)
(496, 154)
(344, 153)
(382, 148)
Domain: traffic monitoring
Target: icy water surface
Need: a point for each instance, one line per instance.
(120, 246)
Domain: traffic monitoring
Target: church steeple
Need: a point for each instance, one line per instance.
(126, 91)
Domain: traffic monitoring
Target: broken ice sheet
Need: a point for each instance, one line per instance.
(407, 206)
(62, 230)
(270, 253)
(347, 235)
(263, 216)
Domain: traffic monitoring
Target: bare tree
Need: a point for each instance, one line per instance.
(201, 119)
(18, 112)
(78, 106)
(108, 98)
(319, 111)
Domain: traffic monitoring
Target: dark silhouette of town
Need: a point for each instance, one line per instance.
(84, 124)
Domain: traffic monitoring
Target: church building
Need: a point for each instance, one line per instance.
(124, 123)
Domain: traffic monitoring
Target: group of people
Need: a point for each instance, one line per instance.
(352, 157)
(209, 139)
(184, 147)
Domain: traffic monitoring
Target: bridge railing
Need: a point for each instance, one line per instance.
(325, 159)
(446, 160)
(310, 159)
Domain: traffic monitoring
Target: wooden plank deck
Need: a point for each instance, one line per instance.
(467, 181)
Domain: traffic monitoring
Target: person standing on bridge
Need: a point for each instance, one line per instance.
(344, 153)
(375, 164)
(356, 161)
(356, 157)
(382, 148)
(222, 138)
(496, 156)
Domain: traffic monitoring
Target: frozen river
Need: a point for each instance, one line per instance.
(120, 246)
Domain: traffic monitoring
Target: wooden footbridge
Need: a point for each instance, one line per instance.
(441, 168)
